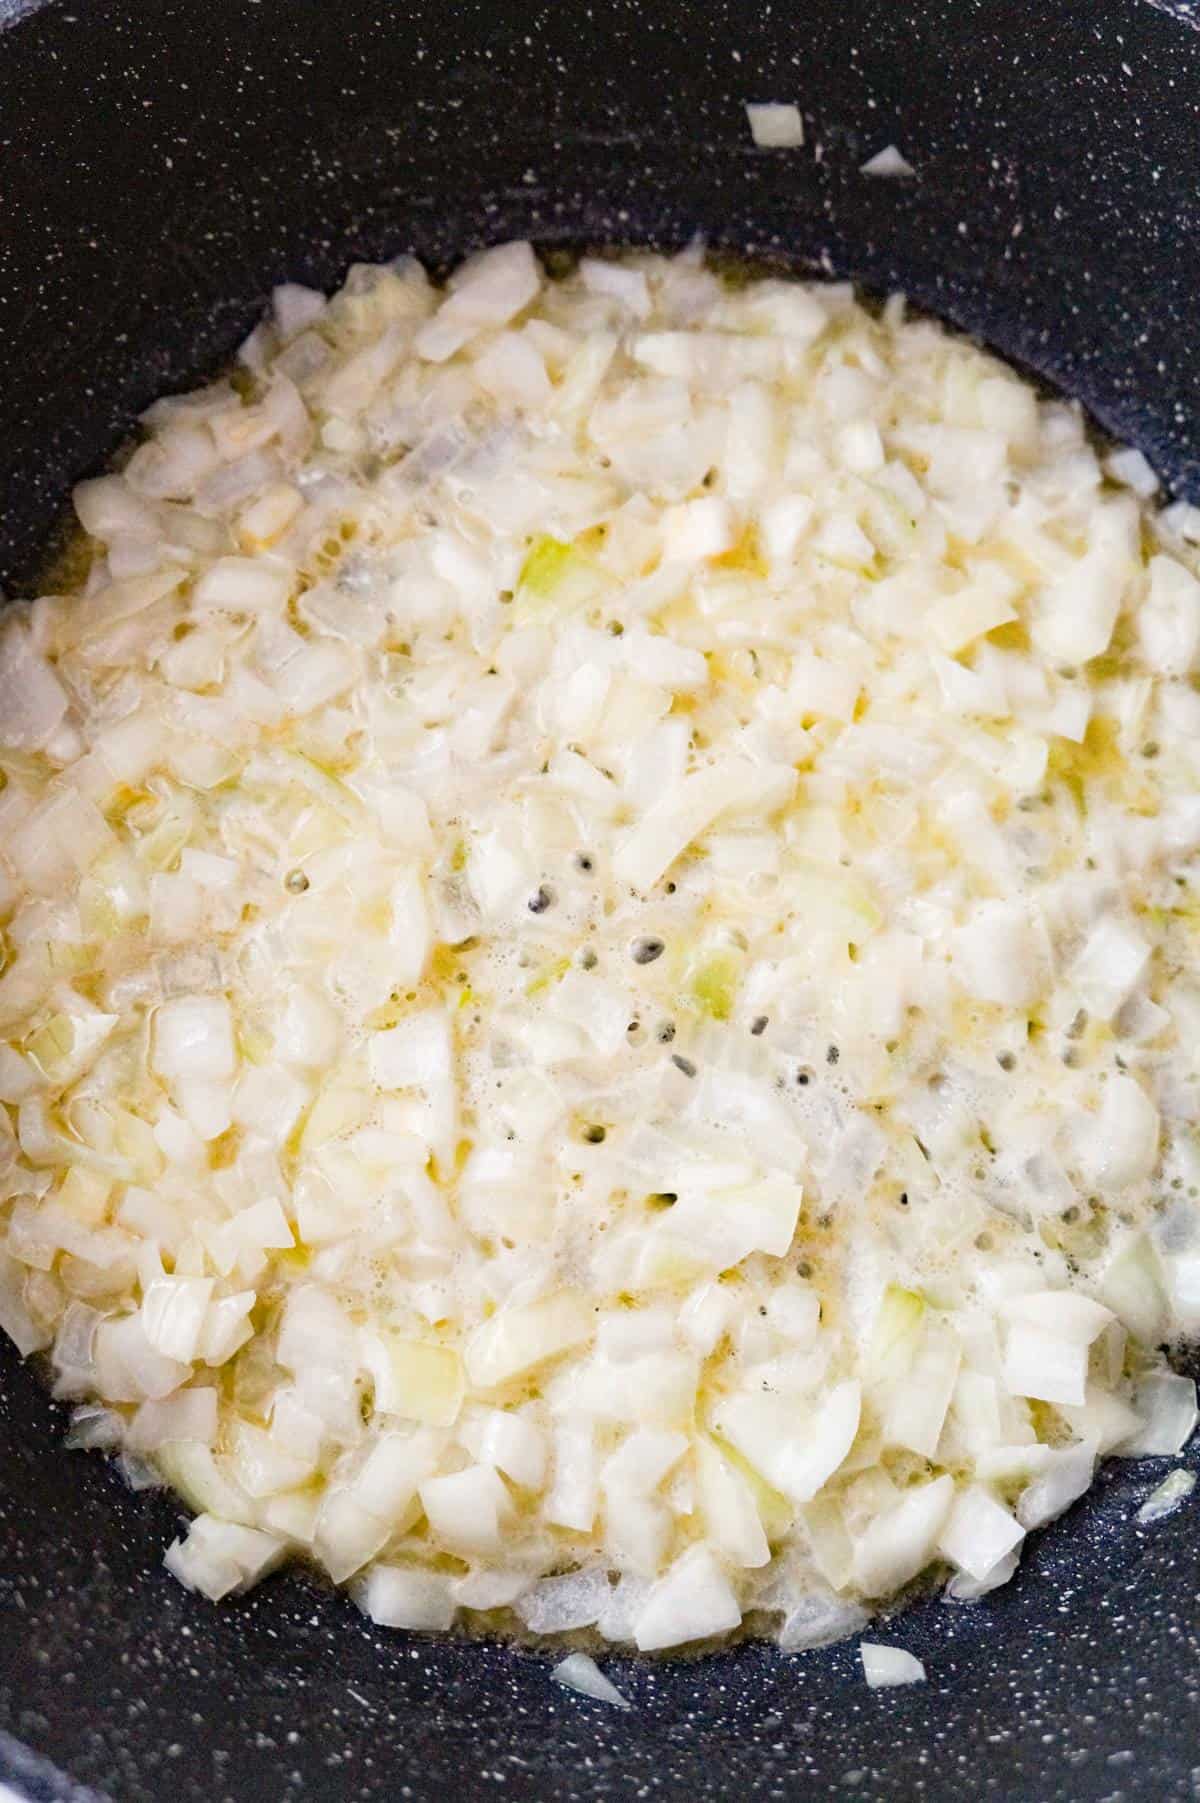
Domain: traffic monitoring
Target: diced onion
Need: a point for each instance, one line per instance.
(888, 161)
(398, 1596)
(219, 1557)
(775, 125)
(579, 1672)
(1167, 1405)
(884, 1666)
(597, 880)
(576, 1600)
(693, 1601)
(1162, 1501)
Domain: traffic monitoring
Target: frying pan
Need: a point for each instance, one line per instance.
(162, 163)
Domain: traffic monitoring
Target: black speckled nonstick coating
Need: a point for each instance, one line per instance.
(162, 163)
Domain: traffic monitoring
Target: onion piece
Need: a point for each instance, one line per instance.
(1167, 1496)
(902, 1540)
(671, 824)
(816, 1621)
(795, 1455)
(580, 1673)
(979, 1534)
(888, 161)
(693, 1601)
(467, 1510)
(518, 1339)
(400, 1596)
(33, 701)
(576, 1600)
(187, 1415)
(775, 125)
(219, 1558)
(885, 1666)
(193, 1039)
(1167, 1405)
(1067, 1474)
(964, 1589)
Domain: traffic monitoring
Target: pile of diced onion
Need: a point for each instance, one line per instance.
(600, 883)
